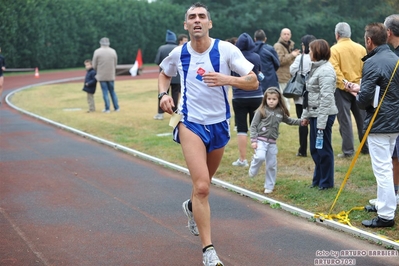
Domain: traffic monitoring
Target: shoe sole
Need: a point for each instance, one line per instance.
(187, 215)
(217, 264)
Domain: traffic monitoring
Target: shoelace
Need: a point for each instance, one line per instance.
(211, 255)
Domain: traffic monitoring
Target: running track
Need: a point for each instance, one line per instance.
(68, 200)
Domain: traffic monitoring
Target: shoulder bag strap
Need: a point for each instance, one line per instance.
(301, 64)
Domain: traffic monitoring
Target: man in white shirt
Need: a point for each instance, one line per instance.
(204, 65)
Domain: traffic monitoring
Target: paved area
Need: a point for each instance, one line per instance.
(67, 200)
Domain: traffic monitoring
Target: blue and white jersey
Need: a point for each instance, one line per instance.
(199, 103)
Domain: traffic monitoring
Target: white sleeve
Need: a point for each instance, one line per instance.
(170, 63)
(238, 63)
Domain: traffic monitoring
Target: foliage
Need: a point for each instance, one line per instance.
(52, 34)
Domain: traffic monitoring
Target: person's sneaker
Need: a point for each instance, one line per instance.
(343, 155)
(192, 226)
(240, 163)
(250, 174)
(117, 110)
(378, 222)
(210, 258)
(268, 191)
(106, 111)
(373, 201)
(158, 117)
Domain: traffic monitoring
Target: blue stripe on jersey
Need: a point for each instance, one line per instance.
(185, 58)
(214, 56)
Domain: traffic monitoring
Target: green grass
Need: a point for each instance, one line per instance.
(134, 127)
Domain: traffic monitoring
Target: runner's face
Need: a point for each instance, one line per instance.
(197, 22)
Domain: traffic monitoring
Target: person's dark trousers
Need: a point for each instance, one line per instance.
(244, 111)
(175, 97)
(303, 132)
(346, 103)
(323, 175)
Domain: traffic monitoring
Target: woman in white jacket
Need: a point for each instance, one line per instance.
(304, 68)
(320, 110)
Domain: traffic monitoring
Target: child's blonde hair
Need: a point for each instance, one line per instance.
(87, 61)
(281, 102)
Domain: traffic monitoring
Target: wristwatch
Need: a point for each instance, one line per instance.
(162, 94)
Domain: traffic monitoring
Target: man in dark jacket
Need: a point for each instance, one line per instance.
(269, 61)
(378, 68)
(392, 24)
(163, 51)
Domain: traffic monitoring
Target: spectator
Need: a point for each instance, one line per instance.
(378, 68)
(163, 51)
(346, 58)
(2, 68)
(245, 102)
(320, 109)
(264, 134)
(269, 61)
(392, 24)
(90, 85)
(203, 130)
(286, 55)
(105, 60)
(232, 40)
(305, 68)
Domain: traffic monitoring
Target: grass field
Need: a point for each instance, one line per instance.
(134, 127)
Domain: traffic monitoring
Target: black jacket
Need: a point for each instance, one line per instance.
(377, 70)
(91, 81)
(269, 64)
(247, 46)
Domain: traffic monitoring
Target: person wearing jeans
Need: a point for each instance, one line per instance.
(323, 175)
(320, 110)
(105, 60)
(108, 86)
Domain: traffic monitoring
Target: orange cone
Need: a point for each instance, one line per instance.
(36, 72)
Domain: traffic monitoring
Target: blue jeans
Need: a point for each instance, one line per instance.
(323, 175)
(108, 86)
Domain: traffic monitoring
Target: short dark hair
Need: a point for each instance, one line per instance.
(320, 49)
(260, 35)
(306, 40)
(181, 37)
(232, 40)
(392, 23)
(196, 5)
(87, 61)
(377, 32)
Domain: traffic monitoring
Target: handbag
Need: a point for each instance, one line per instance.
(296, 85)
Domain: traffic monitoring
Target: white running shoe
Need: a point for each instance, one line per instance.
(240, 163)
(210, 258)
(373, 201)
(250, 174)
(158, 117)
(192, 226)
(268, 191)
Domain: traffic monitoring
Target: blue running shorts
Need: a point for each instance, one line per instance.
(213, 136)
